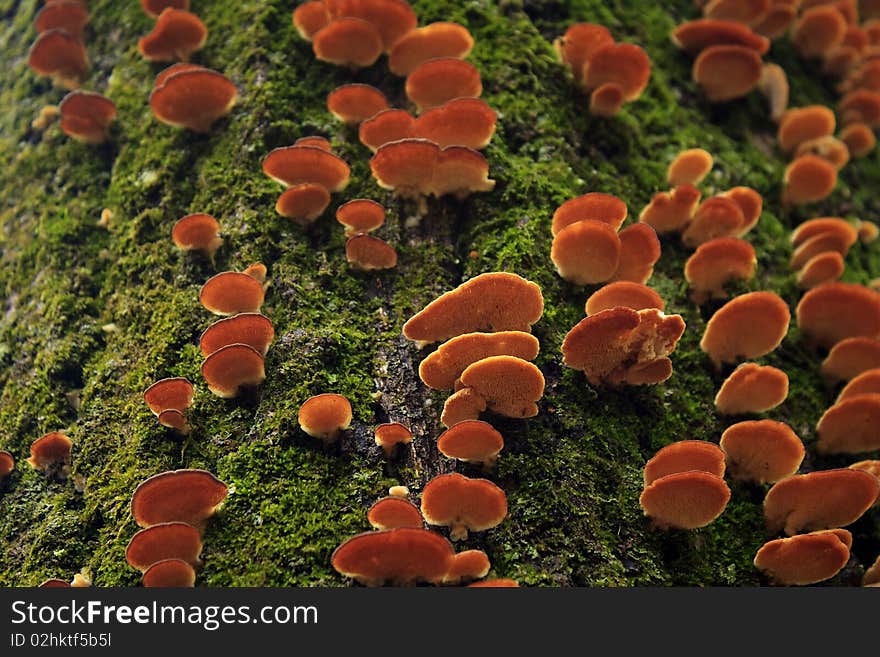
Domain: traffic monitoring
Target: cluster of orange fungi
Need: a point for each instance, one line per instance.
(172, 509)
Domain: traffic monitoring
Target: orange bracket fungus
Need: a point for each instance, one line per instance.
(169, 573)
(360, 215)
(597, 206)
(748, 326)
(231, 292)
(808, 179)
(295, 165)
(825, 242)
(472, 441)
(828, 148)
(391, 434)
(50, 454)
(671, 211)
(762, 451)
(61, 56)
(393, 512)
(459, 122)
(859, 139)
(824, 499)
(750, 202)
(805, 559)
(7, 464)
(432, 41)
(310, 17)
(392, 18)
(439, 80)
(717, 262)
(325, 416)
(752, 388)
(860, 106)
(689, 167)
(176, 35)
(459, 171)
(822, 268)
(586, 252)
(683, 456)
(353, 103)
(367, 253)
(167, 540)
(695, 36)
(466, 566)
(384, 127)
(348, 41)
(623, 293)
(252, 329)
(844, 231)
(192, 97)
(685, 500)
(167, 399)
(189, 496)
(197, 232)
(867, 382)
(231, 368)
(402, 556)
(639, 251)
(832, 312)
(872, 467)
(803, 124)
(490, 302)
(316, 141)
(727, 72)
(818, 30)
(607, 100)
(87, 116)
(850, 426)
(716, 217)
(303, 203)
(64, 15)
(463, 504)
(623, 64)
(850, 357)
(579, 43)
(442, 368)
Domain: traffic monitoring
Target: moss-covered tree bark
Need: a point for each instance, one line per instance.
(93, 315)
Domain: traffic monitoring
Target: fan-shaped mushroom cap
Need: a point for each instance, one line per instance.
(325, 416)
(685, 500)
(384, 127)
(695, 36)
(609, 345)
(303, 203)
(353, 103)
(153, 8)
(176, 35)
(360, 215)
(460, 171)
(467, 566)
(508, 385)
(168, 540)
(773, 85)
(397, 556)
(71, 17)
(763, 451)
(846, 232)
(804, 559)
(716, 217)
(818, 30)
(172, 393)
(639, 250)
(233, 367)
(683, 456)
(190, 496)
(671, 211)
(497, 583)
(391, 434)
(393, 512)
(232, 292)
(802, 124)
(472, 441)
(860, 106)
(463, 504)
(868, 382)
(294, 165)
(752, 388)
(169, 573)
(595, 205)
(623, 293)
(174, 419)
(459, 122)
(750, 202)
(727, 72)
(429, 42)
(777, 20)
(859, 139)
(825, 242)
(850, 426)
(442, 368)
(624, 64)
(61, 56)
(348, 42)
(819, 500)
(747, 326)
(579, 43)
(197, 232)
(406, 166)
(586, 252)
(740, 11)
(7, 464)
(366, 252)
(257, 271)
(465, 404)
(820, 269)
(193, 98)
(50, 453)
(717, 262)
(392, 18)
(689, 167)
(310, 17)
(872, 467)
(490, 302)
(252, 329)
(606, 100)
(437, 81)
(850, 357)
(835, 311)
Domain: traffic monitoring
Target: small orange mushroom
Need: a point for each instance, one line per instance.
(860, 106)
(189, 496)
(464, 404)
(393, 512)
(716, 217)
(167, 540)
(407, 166)
(804, 559)
(391, 434)
(153, 8)
(472, 441)
(727, 72)
(385, 127)
(820, 269)
(176, 35)
(859, 139)
(850, 426)
(827, 241)
(683, 456)
(252, 329)
(463, 504)
(748, 326)
(50, 453)
(459, 122)
(868, 382)
(295, 165)
(71, 17)
(367, 253)
(717, 262)
(325, 416)
(87, 116)
(623, 293)
(818, 30)
(173, 393)
(685, 500)
(348, 41)
(671, 211)
(257, 271)
(360, 215)
(844, 230)
(752, 388)
(316, 141)
(835, 311)
(597, 206)
(402, 556)
(773, 85)
(750, 202)
(179, 67)
(459, 171)
(61, 56)
(231, 368)
(586, 252)
(197, 232)
(192, 98)
(689, 167)
(579, 43)
(232, 292)
(607, 100)
(7, 464)
(763, 451)
(623, 64)
(437, 81)
(429, 42)
(850, 357)
(803, 124)
(169, 573)
(639, 251)
(310, 17)
(303, 203)
(868, 231)
(695, 36)
(353, 103)
(467, 566)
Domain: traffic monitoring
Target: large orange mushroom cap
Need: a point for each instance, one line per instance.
(303, 203)
(579, 43)
(407, 166)
(167, 540)
(803, 124)
(867, 382)
(467, 566)
(189, 496)
(595, 205)
(252, 329)
(832, 312)
(752, 388)
(392, 18)
(472, 441)
(197, 232)
(348, 42)
(463, 504)
(295, 165)
(459, 122)
(763, 451)
(325, 416)
(429, 42)
(818, 30)
(586, 252)
(820, 269)
(353, 103)
(639, 250)
(683, 456)
(823, 499)
(50, 453)
(624, 64)
(727, 72)
(689, 167)
(393, 512)
(176, 35)
(232, 292)
(671, 211)
(508, 385)
(748, 326)
(850, 426)
(173, 393)
(390, 435)
(716, 217)
(7, 464)
(71, 17)
(401, 556)
(695, 36)
(623, 293)
(850, 357)
(717, 262)
(231, 368)
(367, 253)
(490, 302)
(804, 559)
(193, 98)
(360, 215)
(169, 573)
(859, 139)
(310, 17)
(61, 56)
(153, 8)
(87, 116)
(685, 500)
(437, 81)
(740, 11)
(385, 127)
(459, 171)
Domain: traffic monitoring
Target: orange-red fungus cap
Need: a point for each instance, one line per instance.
(845, 231)
(294, 165)
(71, 17)
(303, 203)
(392, 18)
(231, 368)
(353, 103)
(390, 435)
(366, 252)
(190, 496)
(685, 500)
(402, 556)
(193, 98)
(683, 456)
(472, 441)
(719, 216)
(579, 43)
(740, 11)
(316, 141)
(624, 64)
(595, 205)
(777, 20)
(348, 42)
(835, 311)
(197, 232)
(252, 329)
(7, 463)
(850, 357)
(859, 139)
(639, 250)
(437, 81)
(689, 167)
(818, 30)
(763, 451)
(825, 267)
(176, 35)
(801, 124)
(463, 504)
(671, 211)
(174, 393)
(169, 573)
(498, 583)
(804, 559)
(393, 512)
(232, 292)
(360, 215)
(459, 122)
(586, 252)
(325, 416)
(87, 116)
(750, 202)
(860, 106)
(429, 42)
(310, 17)
(167, 540)
(51, 452)
(827, 147)
(467, 566)
(695, 36)
(747, 326)
(623, 293)
(717, 262)
(850, 426)
(752, 388)
(384, 127)
(61, 56)
(727, 72)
